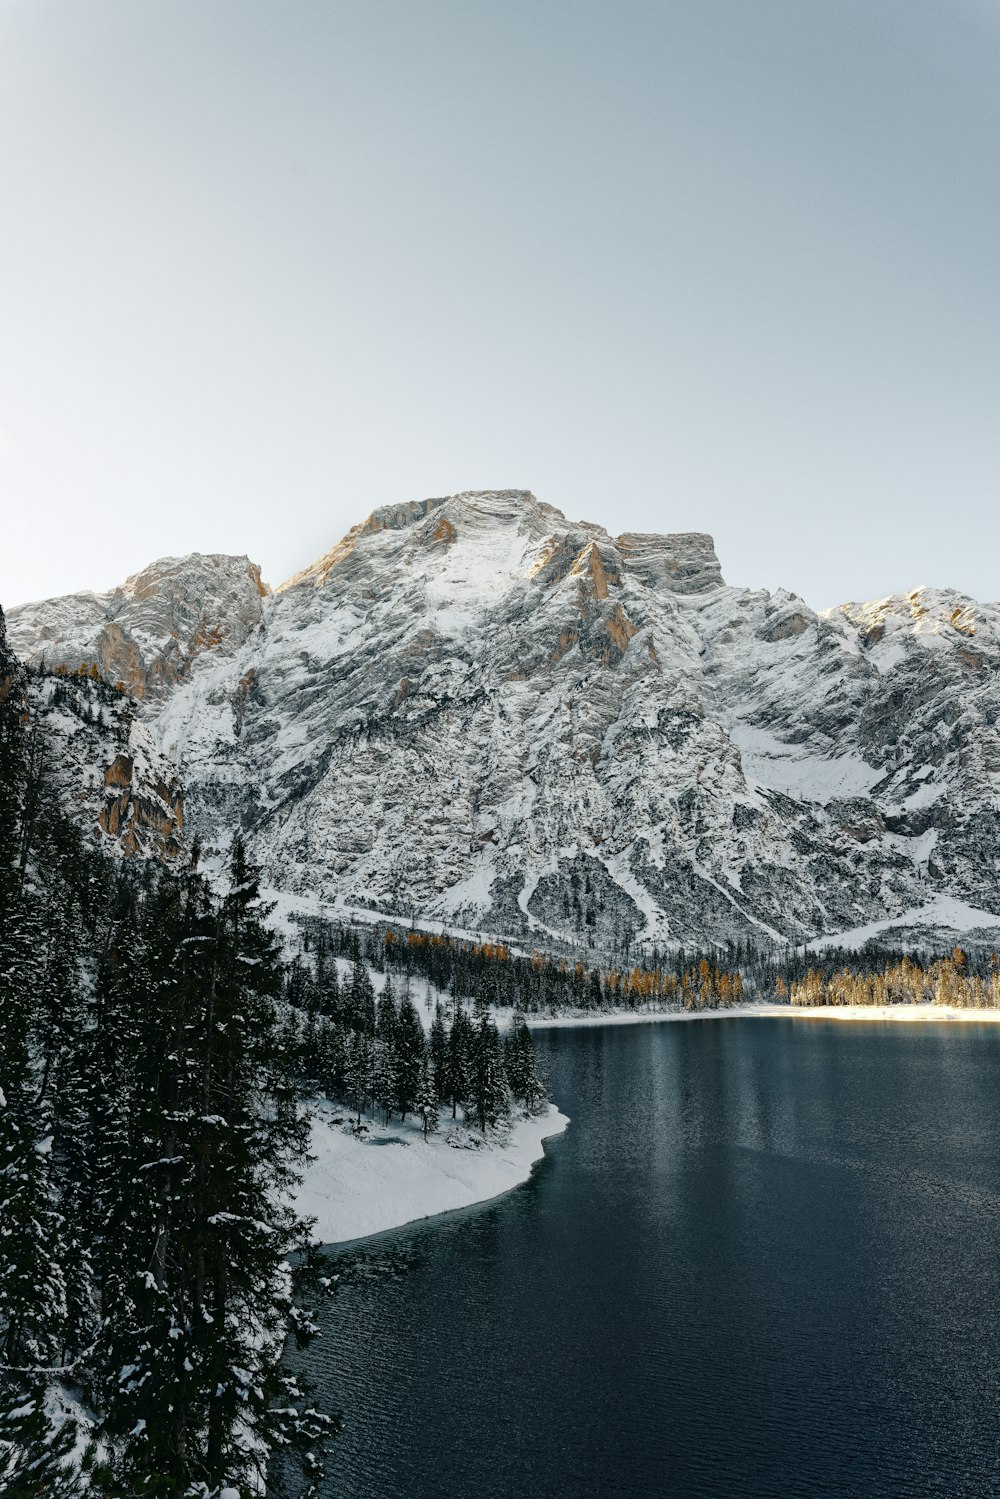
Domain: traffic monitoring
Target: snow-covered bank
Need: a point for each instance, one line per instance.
(925, 1012)
(392, 1175)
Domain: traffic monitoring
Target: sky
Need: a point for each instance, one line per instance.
(687, 265)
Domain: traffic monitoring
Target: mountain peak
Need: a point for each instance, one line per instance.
(683, 562)
(500, 504)
(481, 509)
(476, 711)
(196, 574)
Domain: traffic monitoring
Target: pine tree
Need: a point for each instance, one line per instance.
(361, 1002)
(383, 1076)
(358, 1072)
(439, 1055)
(520, 1067)
(426, 1100)
(459, 1073)
(385, 1061)
(333, 1059)
(489, 1088)
(328, 986)
(410, 1057)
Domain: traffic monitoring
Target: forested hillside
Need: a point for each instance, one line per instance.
(150, 1129)
(157, 1057)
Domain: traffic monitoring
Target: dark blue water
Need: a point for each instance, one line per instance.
(764, 1260)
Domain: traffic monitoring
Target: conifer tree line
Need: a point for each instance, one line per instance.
(952, 980)
(150, 1128)
(491, 973)
(370, 1051)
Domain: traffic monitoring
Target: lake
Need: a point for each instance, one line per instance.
(763, 1260)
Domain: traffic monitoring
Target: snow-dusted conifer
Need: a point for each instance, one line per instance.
(426, 1105)
(489, 1088)
(411, 1053)
(520, 1067)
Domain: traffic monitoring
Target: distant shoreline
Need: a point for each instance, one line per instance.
(910, 1014)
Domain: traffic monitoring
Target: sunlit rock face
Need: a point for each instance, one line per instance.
(474, 710)
(146, 634)
(143, 803)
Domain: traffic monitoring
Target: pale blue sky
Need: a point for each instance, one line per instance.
(724, 265)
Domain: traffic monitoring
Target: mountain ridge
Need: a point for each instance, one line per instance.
(474, 710)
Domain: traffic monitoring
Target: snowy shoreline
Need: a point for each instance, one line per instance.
(904, 1012)
(392, 1176)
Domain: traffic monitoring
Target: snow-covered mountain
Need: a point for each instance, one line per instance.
(474, 710)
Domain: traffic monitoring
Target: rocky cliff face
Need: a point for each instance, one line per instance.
(111, 774)
(474, 710)
(147, 634)
(108, 770)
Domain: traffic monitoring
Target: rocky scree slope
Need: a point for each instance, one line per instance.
(476, 711)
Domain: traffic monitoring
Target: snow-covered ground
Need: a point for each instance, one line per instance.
(771, 762)
(769, 1012)
(392, 1175)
